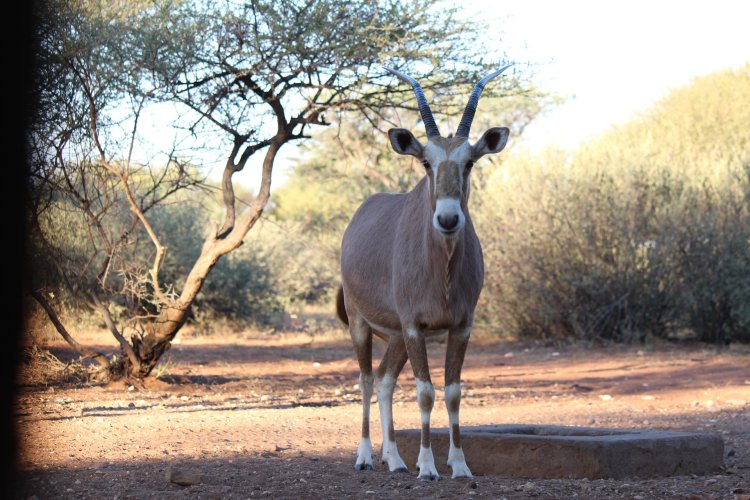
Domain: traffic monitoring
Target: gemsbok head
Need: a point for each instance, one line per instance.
(411, 267)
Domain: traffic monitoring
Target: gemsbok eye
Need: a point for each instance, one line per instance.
(469, 164)
(427, 165)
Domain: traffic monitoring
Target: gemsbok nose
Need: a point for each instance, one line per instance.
(448, 222)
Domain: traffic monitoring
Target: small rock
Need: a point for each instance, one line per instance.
(508, 355)
(730, 453)
(131, 405)
(316, 364)
(526, 487)
(605, 397)
(709, 482)
(131, 388)
(583, 388)
(473, 485)
(183, 477)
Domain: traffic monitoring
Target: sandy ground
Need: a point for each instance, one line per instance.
(279, 415)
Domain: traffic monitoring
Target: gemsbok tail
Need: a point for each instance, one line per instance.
(340, 308)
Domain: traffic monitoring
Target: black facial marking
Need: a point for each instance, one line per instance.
(427, 164)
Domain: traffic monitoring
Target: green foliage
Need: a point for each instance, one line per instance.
(645, 231)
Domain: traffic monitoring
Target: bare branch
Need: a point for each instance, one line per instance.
(124, 344)
(100, 358)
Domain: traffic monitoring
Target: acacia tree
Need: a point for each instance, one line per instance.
(256, 75)
(89, 199)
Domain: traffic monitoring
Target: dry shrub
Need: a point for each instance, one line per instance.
(41, 367)
(643, 232)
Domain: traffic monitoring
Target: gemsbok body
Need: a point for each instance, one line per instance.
(411, 267)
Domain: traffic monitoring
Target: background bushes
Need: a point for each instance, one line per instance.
(644, 231)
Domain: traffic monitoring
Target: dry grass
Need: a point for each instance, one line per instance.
(40, 367)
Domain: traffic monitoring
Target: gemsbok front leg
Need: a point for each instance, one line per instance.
(416, 348)
(458, 340)
(388, 371)
(362, 338)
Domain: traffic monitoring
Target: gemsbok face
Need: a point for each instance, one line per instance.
(411, 267)
(448, 160)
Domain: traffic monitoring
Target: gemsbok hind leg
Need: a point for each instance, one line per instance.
(458, 340)
(390, 367)
(362, 339)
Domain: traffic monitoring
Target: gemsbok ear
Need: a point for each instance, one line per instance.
(404, 142)
(493, 141)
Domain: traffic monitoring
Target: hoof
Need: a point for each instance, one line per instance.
(362, 467)
(429, 477)
(402, 470)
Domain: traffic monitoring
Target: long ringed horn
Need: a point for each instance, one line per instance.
(424, 108)
(471, 106)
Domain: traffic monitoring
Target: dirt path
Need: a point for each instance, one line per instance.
(279, 416)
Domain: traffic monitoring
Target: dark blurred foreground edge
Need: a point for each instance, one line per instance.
(17, 85)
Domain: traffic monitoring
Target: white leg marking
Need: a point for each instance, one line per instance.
(389, 451)
(455, 455)
(364, 452)
(364, 455)
(426, 464)
(426, 460)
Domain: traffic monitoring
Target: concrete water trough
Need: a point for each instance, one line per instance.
(544, 451)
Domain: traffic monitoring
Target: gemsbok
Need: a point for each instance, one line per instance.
(411, 267)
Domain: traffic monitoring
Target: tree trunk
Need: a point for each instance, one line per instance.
(156, 342)
(164, 328)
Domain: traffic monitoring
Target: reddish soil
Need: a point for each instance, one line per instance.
(279, 416)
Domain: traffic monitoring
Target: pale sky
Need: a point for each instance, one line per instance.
(611, 59)
(614, 59)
